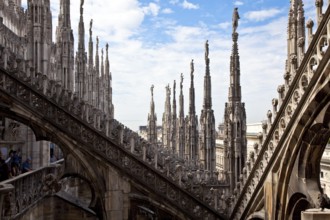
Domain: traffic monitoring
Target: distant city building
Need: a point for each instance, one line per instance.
(253, 132)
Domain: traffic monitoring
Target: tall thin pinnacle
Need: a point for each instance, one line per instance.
(107, 63)
(97, 58)
(90, 47)
(152, 103)
(81, 37)
(64, 16)
(181, 104)
(235, 85)
(207, 80)
(192, 110)
(174, 98)
(152, 120)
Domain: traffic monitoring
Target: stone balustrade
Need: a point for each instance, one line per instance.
(22, 192)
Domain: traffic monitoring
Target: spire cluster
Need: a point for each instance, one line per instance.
(195, 141)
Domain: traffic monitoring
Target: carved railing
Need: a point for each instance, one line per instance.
(291, 99)
(109, 140)
(22, 192)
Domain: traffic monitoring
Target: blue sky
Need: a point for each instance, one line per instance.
(153, 42)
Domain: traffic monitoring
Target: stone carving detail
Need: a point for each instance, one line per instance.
(289, 110)
(324, 201)
(282, 123)
(296, 96)
(51, 184)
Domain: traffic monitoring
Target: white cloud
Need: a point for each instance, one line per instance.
(262, 14)
(184, 4)
(174, 2)
(238, 3)
(151, 9)
(225, 25)
(167, 11)
(106, 14)
(189, 5)
(188, 35)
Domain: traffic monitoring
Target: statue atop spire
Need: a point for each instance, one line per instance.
(192, 68)
(152, 120)
(207, 59)
(81, 7)
(235, 145)
(90, 27)
(168, 90)
(167, 118)
(152, 90)
(181, 82)
(207, 122)
(191, 139)
(206, 51)
(235, 19)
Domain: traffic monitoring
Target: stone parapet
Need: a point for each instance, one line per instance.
(315, 214)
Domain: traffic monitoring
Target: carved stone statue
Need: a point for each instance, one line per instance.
(192, 67)
(206, 50)
(168, 90)
(81, 6)
(152, 90)
(181, 82)
(90, 27)
(235, 19)
(51, 184)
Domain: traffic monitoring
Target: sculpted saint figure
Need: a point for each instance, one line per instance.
(181, 82)
(152, 90)
(168, 90)
(235, 19)
(90, 27)
(206, 49)
(81, 6)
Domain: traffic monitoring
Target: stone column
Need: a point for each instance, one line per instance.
(38, 151)
(117, 202)
(44, 153)
(309, 26)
